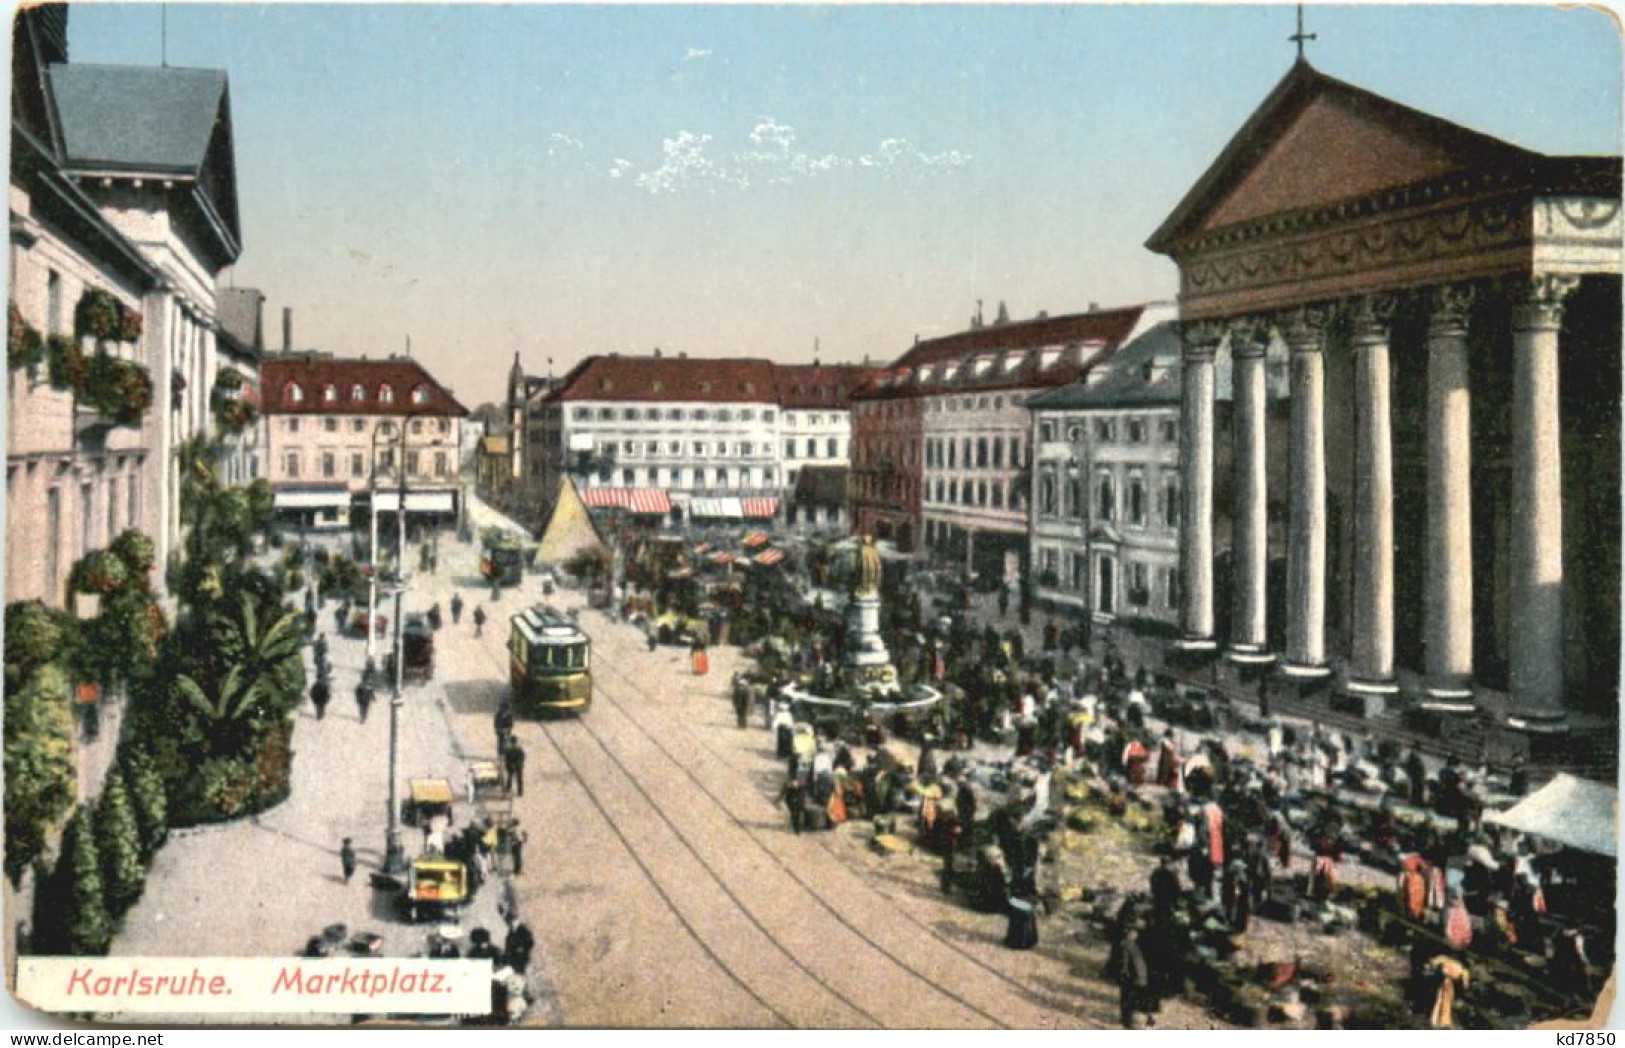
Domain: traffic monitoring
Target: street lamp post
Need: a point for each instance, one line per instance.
(394, 849)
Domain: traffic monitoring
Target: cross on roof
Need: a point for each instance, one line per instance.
(1300, 36)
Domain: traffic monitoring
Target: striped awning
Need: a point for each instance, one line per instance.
(650, 501)
(763, 508)
(723, 557)
(768, 558)
(704, 547)
(756, 538)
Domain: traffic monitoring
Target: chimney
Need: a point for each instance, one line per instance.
(657, 352)
(287, 329)
(682, 354)
(1094, 307)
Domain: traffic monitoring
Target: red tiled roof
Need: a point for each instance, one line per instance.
(821, 385)
(1109, 326)
(298, 385)
(739, 381)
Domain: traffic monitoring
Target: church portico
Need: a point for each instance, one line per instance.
(1419, 275)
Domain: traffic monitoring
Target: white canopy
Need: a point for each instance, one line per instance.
(337, 498)
(416, 501)
(1577, 813)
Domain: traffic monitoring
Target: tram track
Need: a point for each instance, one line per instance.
(596, 796)
(1013, 986)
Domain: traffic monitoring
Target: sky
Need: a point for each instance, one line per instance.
(751, 180)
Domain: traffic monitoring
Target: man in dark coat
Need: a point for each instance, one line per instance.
(794, 798)
(320, 693)
(503, 722)
(1164, 888)
(347, 859)
(513, 759)
(1133, 977)
(479, 621)
(363, 698)
(456, 608)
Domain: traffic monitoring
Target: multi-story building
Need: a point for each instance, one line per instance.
(886, 473)
(816, 441)
(335, 432)
(1105, 507)
(170, 187)
(74, 480)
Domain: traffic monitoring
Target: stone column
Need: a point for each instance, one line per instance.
(1196, 461)
(1447, 612)
(1371, 665)
(1306, 538)
(1537, 507)
(1251, 562)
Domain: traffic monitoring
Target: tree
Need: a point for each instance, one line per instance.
(74, 911)
(118, 840)
(38, 763)
(264, 676)
(149, 801)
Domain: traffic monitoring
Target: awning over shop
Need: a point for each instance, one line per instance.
(756, 538)
(760, 508)
(416, 501)
(722, 558)
(768, 558)
(681, 573)
(704, 547)
(330, 498)
(649, 501)
(724, 508)
(1578, 813)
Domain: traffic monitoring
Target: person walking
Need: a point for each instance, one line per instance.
(741, 697)
(1004, 601)
(503, 723)
(793, 797)
(479, 621)
(513, 760)
(1133, 979)
(363, 698)
(320, 693)
(319, 649)
(516, 842)
(456, 609)
(347, 859)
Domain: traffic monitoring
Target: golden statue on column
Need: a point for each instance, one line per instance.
(868, 569)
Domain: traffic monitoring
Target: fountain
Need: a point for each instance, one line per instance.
(869, 680)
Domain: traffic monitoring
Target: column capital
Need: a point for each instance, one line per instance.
(1537, 301)
(1249, 337)
(1448, 308)
(1371, 316)
(1305, 328)
(1201, 338)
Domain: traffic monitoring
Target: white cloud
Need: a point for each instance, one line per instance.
(773, 157)
(694, 54)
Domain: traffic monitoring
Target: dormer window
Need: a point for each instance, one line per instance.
(386, 394)
(358, 392)
(420, 395)
(750, 387)
(606, 385)
(293, 393)
(705, 387)
(659, 386)
(330, 394)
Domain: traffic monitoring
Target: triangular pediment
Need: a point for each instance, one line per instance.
(1318, 141)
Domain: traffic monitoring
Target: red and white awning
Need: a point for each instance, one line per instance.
(650, 501)
(766, 508)
(755, 538)
(768, 558)
(722, 558)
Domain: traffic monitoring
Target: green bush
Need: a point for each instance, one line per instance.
(38, 762)
(149, 801)
(25, 348)
(77, 924)
(97, 315)
(35, 635)
(138, 552)
(66, 362)
(118, 840)
(98, 572)
(296, 580)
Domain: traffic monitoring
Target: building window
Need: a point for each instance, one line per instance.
(767, 416)
(112, 507)
(1170, 503)
(1075, 498)
(87, 518)
(953, 491)
(789, 447)
(330, 394)
(293, 464)
(1105, 590)
(675, 447)
(1171, 587)
(628, 477)
(1106, 503)
(329, 466)
(747, 449)
(135, 499)
(444, 426)
(293, 425)
(358, 392)
(358, 425)
(998, 495)
(417, 425)
(674, 414)
(293, 393)
(831, 448)
(1051, 566)
(412, 463)
(701, 414)
(1046, 495)
(1080, 571)
(53, 537)
(1046, 431)
(440, 463)
(699, 448)
(747, 415)
(952, 452)
(606, 415)
(1136, 431)
(1105, 430)
(420, 394)
(386, 394)
(1139, 585)
(581, 414)
(330, 424)
(1170, 430)
(356, 464)
(53, 326)
(629, 414)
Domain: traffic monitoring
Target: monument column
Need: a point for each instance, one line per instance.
(1371, 666)
(1196, 462)
(1447, 631)
(1537, 507)
(1248, 636)
(1306, 538)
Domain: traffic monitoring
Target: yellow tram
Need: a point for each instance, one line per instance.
(549, 663)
